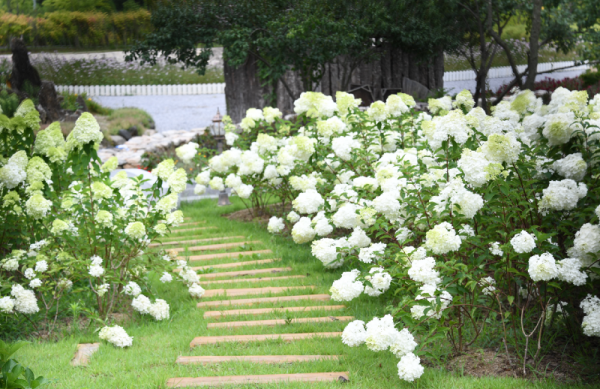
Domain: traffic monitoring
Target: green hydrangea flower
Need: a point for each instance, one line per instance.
(111, 164)
(38, 170)
(37, 206)
(135, 230)
(58, 227)
(101, 190)
(104, 218)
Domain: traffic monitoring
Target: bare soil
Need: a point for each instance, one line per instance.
(259, 216)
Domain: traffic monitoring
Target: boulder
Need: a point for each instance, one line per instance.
(415, 89)
(117, 140)
(23, 71)
(150, 132)
(125, 134)
(49, 100)
(81, 104)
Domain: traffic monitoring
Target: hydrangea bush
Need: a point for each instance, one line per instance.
(461, 218)
(67, 228)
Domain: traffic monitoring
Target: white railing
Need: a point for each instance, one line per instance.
(143, 90)
(506, 71)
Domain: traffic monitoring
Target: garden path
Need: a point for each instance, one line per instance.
(274, 319)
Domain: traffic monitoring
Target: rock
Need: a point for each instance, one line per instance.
(125, 134)
(50, 101)
(152, 125)
(117, 139)
(133, 130)
(415, 89)
(81, 104)
(128, 166)
(22, 69)
(150, 132)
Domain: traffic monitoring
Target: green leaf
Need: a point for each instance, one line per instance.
(511, 299)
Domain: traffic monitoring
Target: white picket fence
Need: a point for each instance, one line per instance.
(143, 90)
(207, 89)
(506, 71)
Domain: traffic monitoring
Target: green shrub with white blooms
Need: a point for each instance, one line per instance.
(468, 223)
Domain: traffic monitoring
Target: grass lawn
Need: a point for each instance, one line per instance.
(151, 359)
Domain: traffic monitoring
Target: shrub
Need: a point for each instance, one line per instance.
(70, 230)
(468, 224)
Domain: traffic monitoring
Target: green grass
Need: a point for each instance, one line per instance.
(151, 359)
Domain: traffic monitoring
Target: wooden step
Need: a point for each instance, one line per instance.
(242, 273)
(264, 311)
(84, 353)
(252, 291)
(194, 229)
(218, 303)
(187, 382)
(232, 264)
(251, 280)
(192, 223)
(196, 241)
(220, 246)
(206, 257)
(206, 360)
(279, 322)
(258, 338)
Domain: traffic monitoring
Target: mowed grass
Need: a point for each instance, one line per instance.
(156, 346)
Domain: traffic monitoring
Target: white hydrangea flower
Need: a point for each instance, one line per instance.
(474, 164)
(523, 242)
(141, 304)
(293, 217)
(196, 291)
(591, 320)
(344, 145)
(7, 304)
(558, 128)
(542, 267)
(325, 250)
(495, 249)
(347, 288)
(586, 243)
(572, 166)
(562, 195)
(435, 311)
(25, 300)
(132, 289)
(442, 239)
(409, 368)
(354, 334)
(380, 281)
(359, 238)
(346, 216)
(381, 333)
(29, 274)
(216, 183)
(308, 202)
(187, 152)
(159, 310)
(116, 335)
(403, 344)
(487, 285)
(374, 252)
(276, 224)
(189, 276)
(302, 231)
(166, 277)
(102, 289)
(423, 271)
(244, 191)
(569, 270)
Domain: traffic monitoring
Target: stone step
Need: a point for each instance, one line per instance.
(219, 303)
(263, 311)
(204, 283)
(194, 229)
(195, 241)
(252, 291)
(206, 257)
(242, 273)
(220, 246)
(236, 264)
(192, 223)
(207, 360)
(279, 322)
(258, 338)
(84, 353)
(187, 382)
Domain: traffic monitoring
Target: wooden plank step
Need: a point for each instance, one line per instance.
(279, 322)
(236, 254)
(196, 241)
(233, 264)
(218, 303)
(206, 360)
(187, 382)
(251, 280)
(84, 353)
(194, 229)
(192, 223)
(251, 291)
(220, 246)
(258, 338)
(263, 311)
(241, 273)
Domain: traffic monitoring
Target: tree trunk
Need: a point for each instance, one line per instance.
(534, 43)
